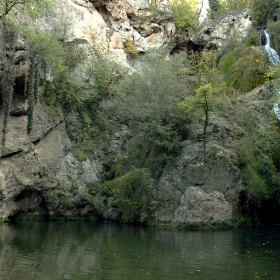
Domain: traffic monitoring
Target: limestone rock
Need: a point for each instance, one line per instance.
(38, 173)
(198, 206)
(46, 178)
(109, 24)
(208, 188)
(235, 26)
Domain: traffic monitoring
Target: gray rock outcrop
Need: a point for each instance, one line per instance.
(192, 191)
(38, 173)
(235, 26)
(109, 25)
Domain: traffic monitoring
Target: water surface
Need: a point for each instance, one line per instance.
(86, 250)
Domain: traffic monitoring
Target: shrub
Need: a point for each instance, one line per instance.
(130, 47)
(81, 156)
(245, 69)
(132, 195)
(252, 40)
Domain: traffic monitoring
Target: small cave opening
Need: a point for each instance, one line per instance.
(19, 86)
(19, 105)
(30, 205)
(191, 46)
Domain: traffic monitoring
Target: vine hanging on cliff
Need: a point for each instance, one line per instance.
(31, 95)
(7, 79)
(37, 80)
(33, 83)
(7, 83)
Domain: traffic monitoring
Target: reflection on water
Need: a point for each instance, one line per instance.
(85, 250)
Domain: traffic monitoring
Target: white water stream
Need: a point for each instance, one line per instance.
(274, 59)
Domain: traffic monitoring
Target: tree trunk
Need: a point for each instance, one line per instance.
(204, 134)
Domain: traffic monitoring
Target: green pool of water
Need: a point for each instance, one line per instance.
(87, 250)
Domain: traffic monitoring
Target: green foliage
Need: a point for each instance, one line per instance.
(273, 76)
(31, 7)
(43, 44)
(153, 146)
(264, 10)
(226, 63)
(273, 28)
(147, 103)
(259, 163)
(7, 81)
(151, 94)
(132, 195)
(203, 99)
(244, 69)
(185, 13)
(112, 167)
(81, 156)
(203, 66)
(91, 127)
(237, 5)
(218, 8)
(36, 73)
(252, 40)
(31, 95)
(33, 88)
(130, 47)
(71, 90)
(215, 8)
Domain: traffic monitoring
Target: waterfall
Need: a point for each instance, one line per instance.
(271, 53)
(274, 59)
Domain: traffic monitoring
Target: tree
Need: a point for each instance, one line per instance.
(6, 6)
(150, 94)
(215, 8)
(204, 100)
(264, 10)
(147, 102)
(230, 5)
(185, 12)
(207, 88)
(203, 67)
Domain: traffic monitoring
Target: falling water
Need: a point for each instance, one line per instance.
(274, 59)
(271, 53)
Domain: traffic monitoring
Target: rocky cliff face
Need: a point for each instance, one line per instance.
(193, 191)
(235, 26)
(38, 172)
(110, 25)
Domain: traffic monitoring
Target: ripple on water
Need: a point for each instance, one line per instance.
(82, 250)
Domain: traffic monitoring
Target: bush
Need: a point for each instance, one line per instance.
(185, 14)
(252, 40)
(245, 69)
(147, 103)
(258, 161)
(130, 48)
(132, 195)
